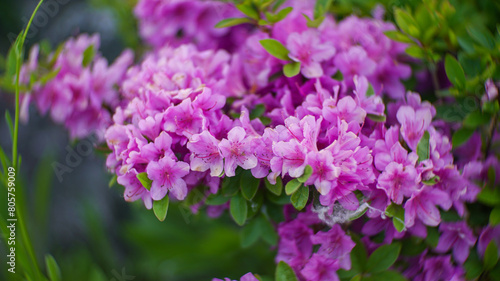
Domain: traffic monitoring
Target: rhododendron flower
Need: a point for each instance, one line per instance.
(307, 49)
(413, 124)
(458, 236)
(398, 181)
(205, 153)
(423, 203)
(320, 268)
(166, 175)
(335, 244)
(236, 151)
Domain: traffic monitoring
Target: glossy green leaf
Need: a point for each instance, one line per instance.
(284, 272)
(88, 55)
(275, 188)
(461, 136)
(398, 36)
(291, 69)
(250, 233)
(383, 258)
(160, 208)
(257, 111)
(248, 184)
(416, 52)
(476, 119)
(49, 76)
(292, 186)
(52, 268)
(376, 118)
(321, 8)
(232, 22)
(490, 256)
(423, 148)
(454, 71)
(431, 181)
(275, 48)
(482, 36)
(473, 266)
(249, 10)
(143, 178)
(112, 181)
(308, 170)
(268, 232)
(495, 216)
(388, 275)
(238, 209)
(406, 22)
(300, 197)
(216, 199)
(230, 185)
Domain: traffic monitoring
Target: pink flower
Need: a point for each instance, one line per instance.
(398, 180)
(335, 244)
(307, 49)
(236, 151)
(166, 175)
(354, 62)
(184, 119)
(456, 235)
(413, 124)
(321, 268)
(423, 203)
(205, 153)
(324, 171)
(292, 157)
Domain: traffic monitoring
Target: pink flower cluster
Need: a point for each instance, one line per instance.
(192, 115)
(82, 97)
(176, 22)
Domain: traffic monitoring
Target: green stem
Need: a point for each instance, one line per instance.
(18, 73)
(19, 44)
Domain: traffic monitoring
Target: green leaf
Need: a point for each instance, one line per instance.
(383, 258)
(321, 8)
(275, 48)
(313, 23)
(49, 76)
(112, 181)
(416, 52)
(338, 76)
(398, 36)
(488, 196)
(232, 22)
(282, 14)
(490, 256)
(249, 184)
(268, 232)
(284, 272)
(398, 216)
(300, 197)
(388, 275)
(461, 136)
(275, 188)
(291, 69)
(432, 238)
(476, 119)
(375, 117)
(482, 36)
(143, 178)
(230, 185)
(249, 10)
(370, 92)
(423, 148)
(495, 216)
(11, 60)
(257, 111)
(308, 170)
(473, 266)
(250, 233)
(454, 71)
(216, 199)
(8, 120)
(406, 22)
(292, 186)
(431, 181)
(88, 55)
(52, 268)
(238, 209)
(160, 208)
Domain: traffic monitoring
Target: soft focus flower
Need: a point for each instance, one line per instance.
(457, 236)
